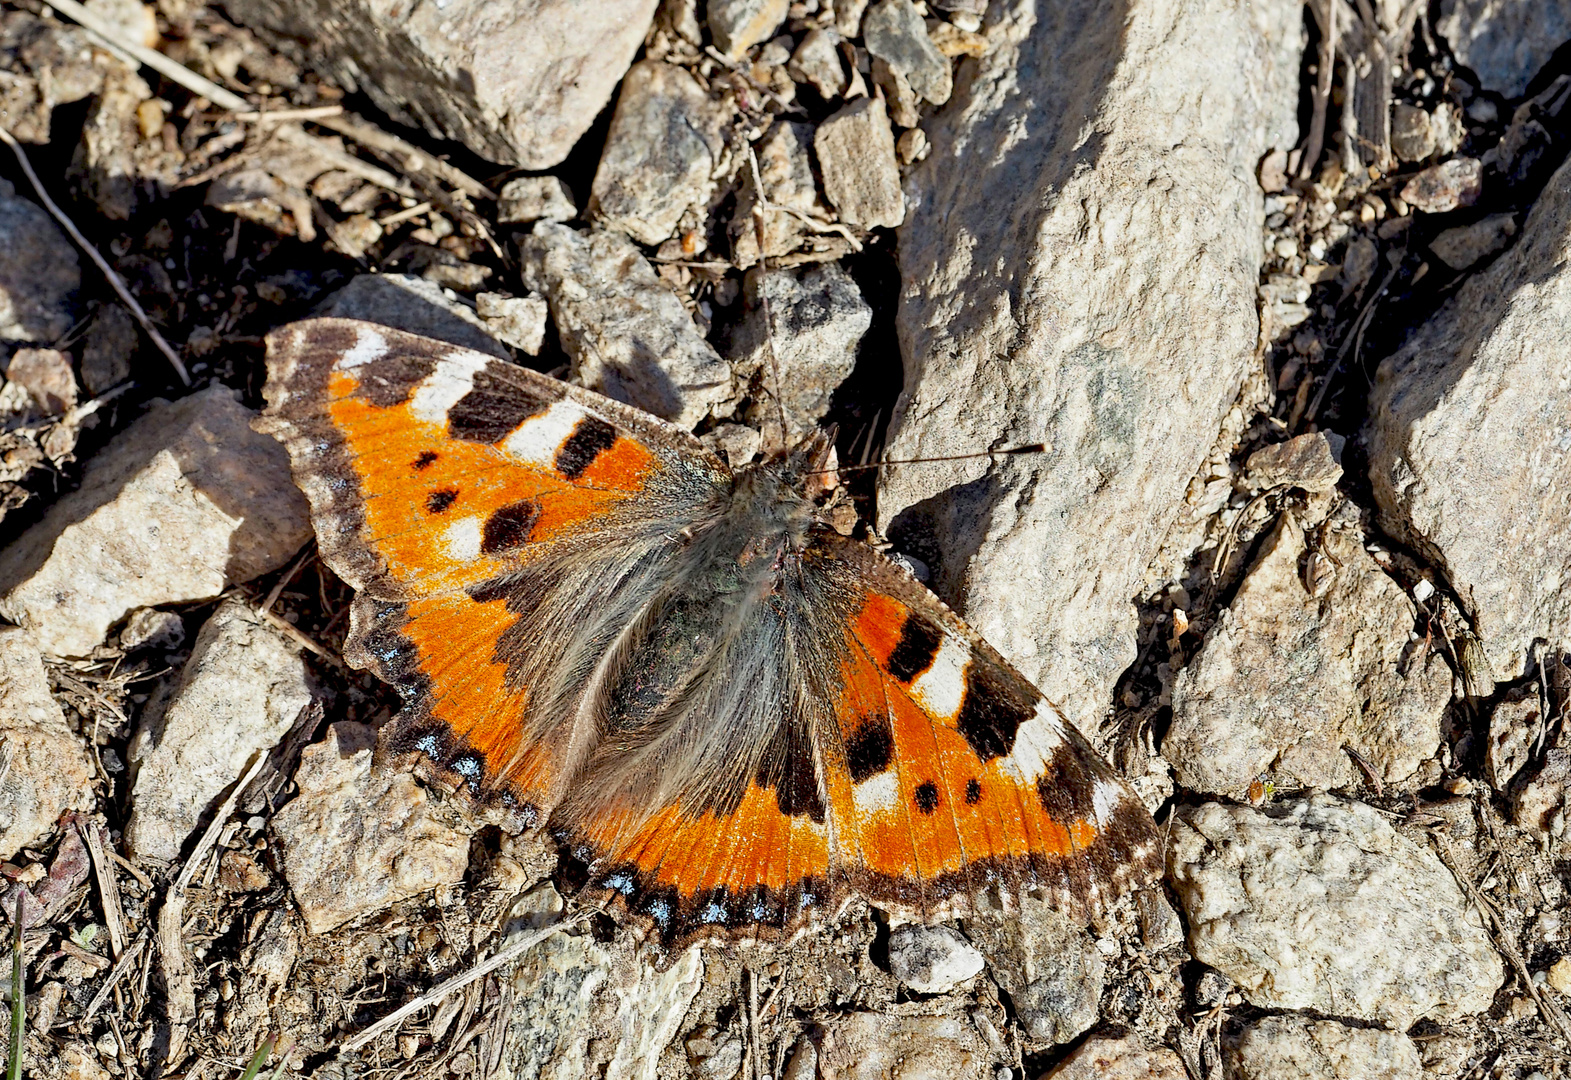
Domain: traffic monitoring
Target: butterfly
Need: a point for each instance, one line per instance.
(736, 718)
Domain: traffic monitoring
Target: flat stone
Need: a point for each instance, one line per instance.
(1320, 904)
(1294, 673)
(817, 63)
(180, 506)
(516, 83)
(533, 198)
(738, 25)
(1504, 42)
(1513, 726)
(872, 1046)
(107, 349)
(1446, 186)
(408, 302)
(48, 771)
(47, 377)
(1469, 444)
(856, 154)
(627, 333)
(115, 168)
(1297, 1048)
(1047, 965)
(150, 628)
(660, 155)
(894, 32)
(1049, 295)
(517, 320)
(1106, 1058)
(818, 319)
(1310, 462)
(568, 987)
(1412, 132)
(356, 838)
(785, 168)
(1461, 247)
(1542, 800)
(39, 274)
(239, 693)
(932, 959)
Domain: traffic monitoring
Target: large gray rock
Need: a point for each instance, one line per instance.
(896, 34)
(1322, 905)
(628, 334)
(1048, 966)
(932, 959)
(1470, 442)
(517, 83)
(1297, 1048)
(1505, 42)
(38, 272)
(870, 1046)
(407, 302)
(1296, 670)
(181, 505)
(357, 839)
(47, 769)
(241, 690)
(1080, 268)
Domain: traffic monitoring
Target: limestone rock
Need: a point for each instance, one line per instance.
(1049, 295)
(785, 168)
(1311, 462)
(872, 1046)
(896, 34)
(1504, 41)
(1297, 1048)
(817, 63)
(518, 320)
(738, 25)
(856, 154)
(1412, 132)
(47, 769)
(660, 154)
(628, 334)
(108, 348)
(39, 273)
(818, 318)
(240, 691)
(932, 959)
(1294, 671)
(181, 505)
(517, 83)
(1047, 965)
(357, 838)
(407, 302)
(1513, 726)
(568, 983)
(1119, 1059)
(46, 376)
(1321, 905)
(1468, 441)
(1461, 247)
(1446, 186)
(531, 198)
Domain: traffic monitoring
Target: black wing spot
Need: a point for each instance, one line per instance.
(591, 437)
(997, 702)
(492, 409)
(973, 791)
(424, 461)
(869, 748)
(1066, 789)
(509, 527)
(438, 501)
(913, 654)
(392, 380)
(927, 796)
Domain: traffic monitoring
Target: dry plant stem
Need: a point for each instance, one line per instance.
(170, 69)
(458, 982)
(108, 891)
(81, 241)
(412, 158)
(282, 116)
(1322, 91)
(1554, 1016)
(125, 964)
(179, 979)
(1355, 337)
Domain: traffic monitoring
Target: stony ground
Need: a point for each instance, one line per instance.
(1282, 290)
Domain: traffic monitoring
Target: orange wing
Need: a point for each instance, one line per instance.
(443, 482)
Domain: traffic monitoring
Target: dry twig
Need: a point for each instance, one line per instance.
(98, 260)
(108, 890)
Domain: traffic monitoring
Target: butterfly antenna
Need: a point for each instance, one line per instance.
(1028, 448)
(760, 205)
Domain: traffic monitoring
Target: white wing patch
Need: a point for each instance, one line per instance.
(369, 345)
(877, 793)
(445, 387)
(942, 687)
(1036, 740)
(537, 439)
(462, 539)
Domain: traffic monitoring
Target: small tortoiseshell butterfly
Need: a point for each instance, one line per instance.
(737, 718)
